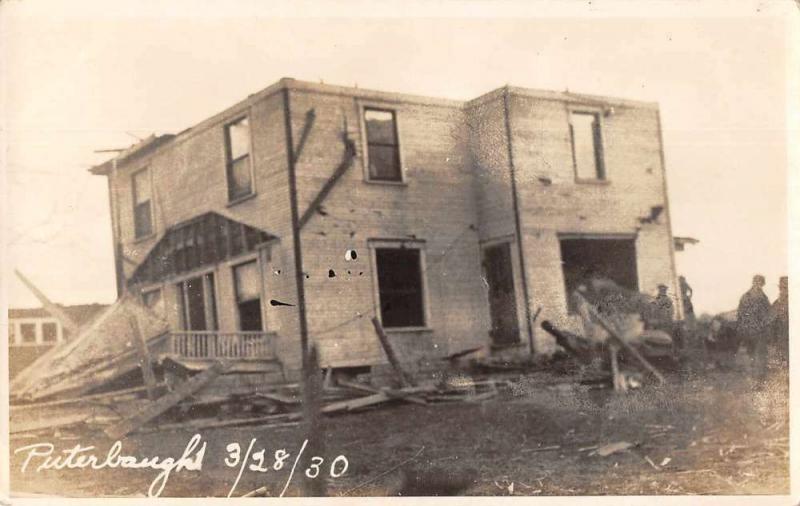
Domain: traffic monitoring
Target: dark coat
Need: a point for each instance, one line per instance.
(753, 313)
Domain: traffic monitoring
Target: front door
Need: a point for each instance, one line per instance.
(502, 300)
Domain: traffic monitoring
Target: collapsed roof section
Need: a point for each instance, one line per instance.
(99, 352)
(204, 240)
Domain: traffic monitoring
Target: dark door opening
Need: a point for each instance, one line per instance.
(247, 278)
(614, 259)
(502, 298)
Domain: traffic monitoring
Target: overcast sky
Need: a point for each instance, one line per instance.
(78, 82)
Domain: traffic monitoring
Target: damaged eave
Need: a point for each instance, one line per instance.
(681, 242)
(207, 239)
(145, 147)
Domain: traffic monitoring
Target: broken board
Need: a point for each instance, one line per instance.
(167, 401)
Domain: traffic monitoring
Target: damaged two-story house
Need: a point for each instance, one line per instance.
(452, 222)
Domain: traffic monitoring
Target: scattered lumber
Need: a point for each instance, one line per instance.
(167, 401)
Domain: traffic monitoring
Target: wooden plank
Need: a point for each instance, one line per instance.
(361, 402)
(48, 423)
(369, 400)
(397, 394)
(144, 356)
(50, 307)
(167, 401)
(617, 377)
(313, 425)
(87, 398)
(405, 378)
(278, 398)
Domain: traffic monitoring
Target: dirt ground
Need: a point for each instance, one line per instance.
(715, 433)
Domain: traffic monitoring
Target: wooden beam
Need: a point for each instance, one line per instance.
(311, 115)
(167, 401)
(616, 338)
(405, 378)
(313, 425)
(396, 394)
(49, 306)
(349, 155)
(16, 408)
(144, 356)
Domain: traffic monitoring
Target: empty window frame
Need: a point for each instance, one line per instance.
(27, 332)
(49, 332)
(142, 207)
(400, 286)
(238, 166)
(247, 280)
(587, 145)
(611, 258)
(383, 149)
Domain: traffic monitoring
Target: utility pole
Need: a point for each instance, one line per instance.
(298, 253)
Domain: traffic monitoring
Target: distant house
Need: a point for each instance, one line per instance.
(450, 221)
(32, 331)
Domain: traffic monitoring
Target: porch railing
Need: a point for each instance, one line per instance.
(216, 344)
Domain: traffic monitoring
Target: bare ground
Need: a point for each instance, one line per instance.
(721, 433)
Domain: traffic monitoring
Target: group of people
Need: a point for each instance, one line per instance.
(761, 325)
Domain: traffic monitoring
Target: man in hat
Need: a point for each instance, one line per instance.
(752, 325)
(779, 321)
(662, 311)
(686, 298)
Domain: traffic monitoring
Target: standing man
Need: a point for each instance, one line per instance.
(686, 298)
(752, 325)
(779, 321)
(663, 310)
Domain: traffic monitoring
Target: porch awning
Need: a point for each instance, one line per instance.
(201, 241)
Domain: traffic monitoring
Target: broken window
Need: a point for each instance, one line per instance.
(154, 300)
(587, 147)
(49, 332)
(248, 295)
(142, 212)
(383, 150)
(400, 287)
(27, 332)
(237, 142)
(582, 258)
(197, 303)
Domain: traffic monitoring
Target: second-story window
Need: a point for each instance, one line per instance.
(142, 209)
(587, 145)
(237, 141)
(383, 150)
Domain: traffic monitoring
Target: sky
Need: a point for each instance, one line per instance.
(90, 79)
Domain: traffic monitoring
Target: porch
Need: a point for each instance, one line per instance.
(211, 344)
